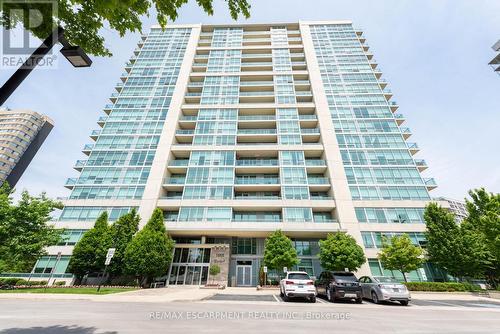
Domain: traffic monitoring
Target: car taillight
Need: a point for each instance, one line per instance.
(289, 283)
(310, 283)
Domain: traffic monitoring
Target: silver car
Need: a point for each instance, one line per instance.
(380, 288)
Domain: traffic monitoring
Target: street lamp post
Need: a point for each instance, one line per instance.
(74, 54)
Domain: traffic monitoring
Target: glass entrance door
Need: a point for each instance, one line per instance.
(244, 275)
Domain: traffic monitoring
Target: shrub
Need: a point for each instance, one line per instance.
(60, 283)
(10, 281)
(441, 286)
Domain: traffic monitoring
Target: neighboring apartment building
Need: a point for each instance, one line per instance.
(22, 133)
(458, 208)
(495, 62)
(235, 131)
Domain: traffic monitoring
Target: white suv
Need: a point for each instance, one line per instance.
(297, 284)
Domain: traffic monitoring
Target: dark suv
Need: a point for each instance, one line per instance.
(339, 285)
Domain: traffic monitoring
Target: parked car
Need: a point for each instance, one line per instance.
(297, 284)
(337, 285)
(380, 288)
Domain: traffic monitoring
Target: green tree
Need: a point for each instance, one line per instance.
(83, 19)
(458, 249)
(339, 251)
(24, 229)
(279, 252)
(150, 251)
(89, 253)
(484, 218)
(400, 254)
(214, 270)
(122, 232)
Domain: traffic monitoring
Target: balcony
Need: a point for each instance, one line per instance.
(310, 131)
(256, 131)
(256, 83)
(315, 162)
(318, 180)
(393, 105)
(406, 132)
(87, 149)
(430, 183)
(102, 120)
(257, 162)
(421, 164)
(257, 180)
(94, 134)
(256, 118)
(413, 147)
(321, 198)
(79, 164)
(107, 108)
(256, 197)
(187, 132)
(387, 93)
(400, 118)
(71, 182)
(182, 162)
(119, 86)
(176, 180)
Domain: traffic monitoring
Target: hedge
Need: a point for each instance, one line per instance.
(441, 286)
(20, 281)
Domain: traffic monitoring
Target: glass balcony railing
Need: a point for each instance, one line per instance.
(257, 63)
(195, 84)
(108, 106)
(189, 118)
(102, 119)
(313, 130)
(266, 180)
(307, 117)
(184, 132)
(256, 55)
(430, 182)
(303, 93)
(302, 82)
(256, 197)
(256, 117)
(256, 93)
(95, 133)
(192, 94)
(178, 162)
(80, 163)
(88, 147)
(399, 116)
(412, 146)
(405, 130)
(318, 180)
(256, 131)
(325, 198)
(315, 162)
(256, 83)
(175, 180)
(259, 162)
(71, 181)
(420, 162)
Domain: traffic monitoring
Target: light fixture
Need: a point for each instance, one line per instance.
(76, 56)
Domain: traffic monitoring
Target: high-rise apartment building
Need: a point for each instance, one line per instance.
(22, 133)
(235, 131)
(458, 208)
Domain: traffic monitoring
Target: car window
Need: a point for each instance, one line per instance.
(345, 277)
(386, 280)
(298, 276)
(368, 280)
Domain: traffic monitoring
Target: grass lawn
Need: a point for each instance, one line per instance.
(85, 291)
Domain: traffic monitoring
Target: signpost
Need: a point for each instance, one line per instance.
(264, 269)
(109, 256)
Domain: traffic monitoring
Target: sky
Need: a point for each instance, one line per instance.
(434, 54)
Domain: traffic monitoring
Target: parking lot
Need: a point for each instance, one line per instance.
(417, 301)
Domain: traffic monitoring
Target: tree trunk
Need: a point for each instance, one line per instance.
(404, 276)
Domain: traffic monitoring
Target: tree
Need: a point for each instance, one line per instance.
(279, 252)
(83, 19)
(24, 229)
(89, 254)
(339, 251)
(484, 218)
(458, 249)
(400, 254)
(122, 232)
(150, 251)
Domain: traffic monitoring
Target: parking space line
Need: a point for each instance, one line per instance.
(321, 301)
(277, 299)
(443, 303)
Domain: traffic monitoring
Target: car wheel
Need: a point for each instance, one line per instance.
(329, 295)
(281, 293)
(359, 300)
(375, 297)
(404, 302)
(285, 297)
(312, 299)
